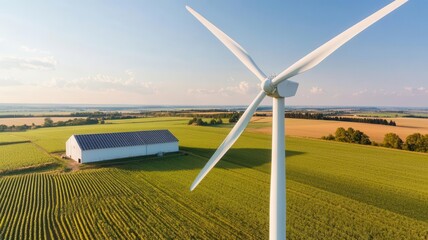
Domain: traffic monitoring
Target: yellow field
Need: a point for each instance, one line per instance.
(30, 120)
(319, 128)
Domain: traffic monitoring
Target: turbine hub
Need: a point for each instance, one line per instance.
(267, 87)
(284, 89)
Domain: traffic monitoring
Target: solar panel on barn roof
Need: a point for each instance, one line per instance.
(123, 139)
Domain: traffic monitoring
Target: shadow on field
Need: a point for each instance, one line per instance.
(196, 158)
(239, 157)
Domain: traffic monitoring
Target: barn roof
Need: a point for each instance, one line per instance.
(123, 139)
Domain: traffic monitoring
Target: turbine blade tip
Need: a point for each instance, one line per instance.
(192, 187)
(189, 8)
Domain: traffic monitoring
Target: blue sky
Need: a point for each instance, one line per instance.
(155, 52)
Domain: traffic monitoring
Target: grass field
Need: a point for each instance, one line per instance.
(10, 138)
(334, 190)
(13, 156)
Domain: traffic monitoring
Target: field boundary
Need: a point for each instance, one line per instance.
(15, 142)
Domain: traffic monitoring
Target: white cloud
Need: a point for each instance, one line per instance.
(8, 81)
(409, 89)
(242, 88)
(359, 93)
(201, 91)
(316, 90)
(376, 92)
(403, 92)
(53, 82)
(102, 82)
(33, 50)
(25, 63)
(416, 90)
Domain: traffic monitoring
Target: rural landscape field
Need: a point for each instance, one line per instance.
(252, 120)
(317, 129)
(334, 190)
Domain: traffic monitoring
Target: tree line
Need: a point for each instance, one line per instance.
(71, 122)
(233, 118)
(350, 135)
(97, 114)
(104, 115)
(415, 142)
(200, 122)
(321, 116)
(222, 115)
(414, 116)
(48, 122)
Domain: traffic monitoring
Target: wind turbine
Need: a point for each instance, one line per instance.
(278, 87)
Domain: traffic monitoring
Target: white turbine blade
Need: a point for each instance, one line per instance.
(233, 46)
(317, 56)
(230, 139)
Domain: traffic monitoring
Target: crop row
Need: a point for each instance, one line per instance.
(104, 204)
(151, 200)
(315, 214)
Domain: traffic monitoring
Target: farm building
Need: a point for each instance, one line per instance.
(87, 148)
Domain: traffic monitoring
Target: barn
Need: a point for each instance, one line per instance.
(86, 148)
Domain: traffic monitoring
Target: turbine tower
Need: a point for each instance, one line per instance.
(278, 87)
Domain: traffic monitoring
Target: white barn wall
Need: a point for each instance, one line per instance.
(97, 155)
(73, 150)
(126, 152)
(162, 147)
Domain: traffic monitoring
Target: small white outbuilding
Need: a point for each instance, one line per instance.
(87, 148)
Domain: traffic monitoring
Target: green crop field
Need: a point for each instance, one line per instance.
(13, 156)
(6, 138)
(334, 190)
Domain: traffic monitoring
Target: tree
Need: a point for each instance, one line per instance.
(89, 120)
(234, 118)
(341, 135)
(365, 140)
(328, 137)
(60, 123)
(414, 142)
(199, 122)
(191, 121)
(48, 122)
(392, 140)
(425, 142)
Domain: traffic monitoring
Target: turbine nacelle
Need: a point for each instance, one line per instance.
(284, 89)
